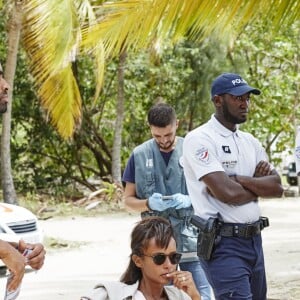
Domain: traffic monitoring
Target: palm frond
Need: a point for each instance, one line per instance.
(87, 15)
(51, 35)
(54, 31)
(61, 98)
(134, 23)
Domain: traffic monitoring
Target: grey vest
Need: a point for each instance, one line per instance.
(152, 175)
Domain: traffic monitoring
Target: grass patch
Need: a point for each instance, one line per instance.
(45, 207)
(54, 243)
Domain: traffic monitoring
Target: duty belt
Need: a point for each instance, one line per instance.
(243, 230)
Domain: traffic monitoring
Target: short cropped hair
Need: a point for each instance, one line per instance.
(161, 115)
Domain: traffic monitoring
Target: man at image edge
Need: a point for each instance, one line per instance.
(11, 253)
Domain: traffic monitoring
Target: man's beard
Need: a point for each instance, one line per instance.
(3, 108)
(167, 146)
(230, 117)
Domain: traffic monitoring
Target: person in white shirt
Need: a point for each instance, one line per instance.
(226, 171)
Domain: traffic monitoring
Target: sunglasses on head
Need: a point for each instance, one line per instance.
(160, 258)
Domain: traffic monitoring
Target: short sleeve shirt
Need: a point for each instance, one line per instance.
(214, 148)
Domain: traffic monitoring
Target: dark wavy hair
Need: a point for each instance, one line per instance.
(151, 227)
(161, 115)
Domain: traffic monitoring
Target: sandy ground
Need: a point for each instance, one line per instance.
(282, 248)
(102, 249)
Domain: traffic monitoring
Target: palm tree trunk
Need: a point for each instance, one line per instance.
(14, 28)
(116, 153)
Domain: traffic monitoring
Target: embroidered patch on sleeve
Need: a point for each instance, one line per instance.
(202, 154)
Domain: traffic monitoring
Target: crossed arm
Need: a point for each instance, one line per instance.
(238, 190)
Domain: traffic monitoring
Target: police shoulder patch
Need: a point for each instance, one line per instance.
(202, 154)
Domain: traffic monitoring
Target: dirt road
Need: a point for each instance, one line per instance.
(282, 248)
(100, 249)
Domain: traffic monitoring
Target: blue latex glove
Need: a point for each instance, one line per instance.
(155, 202)
(180, 201)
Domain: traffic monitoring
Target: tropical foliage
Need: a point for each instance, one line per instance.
(273, 65)
(56, 30)
(181, 75)
(71, 46)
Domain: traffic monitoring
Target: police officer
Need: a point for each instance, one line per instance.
(154, 172)
(226, 171)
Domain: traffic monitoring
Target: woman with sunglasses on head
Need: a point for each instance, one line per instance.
(152, 271)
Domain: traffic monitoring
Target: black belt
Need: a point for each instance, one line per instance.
(243, 230)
